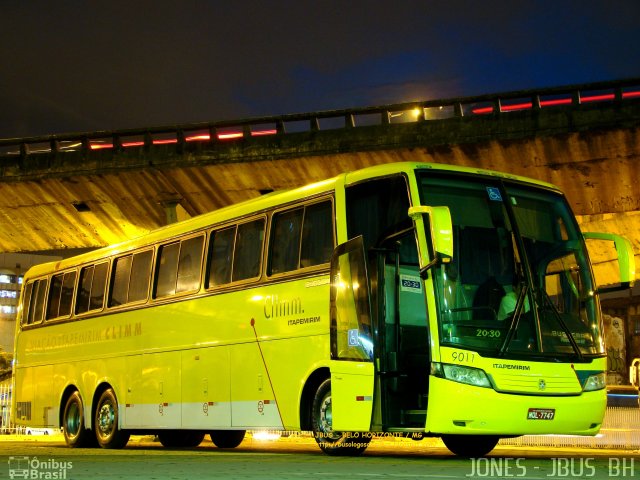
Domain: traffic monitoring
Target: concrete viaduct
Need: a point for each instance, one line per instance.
(60, 193)
(92, 189)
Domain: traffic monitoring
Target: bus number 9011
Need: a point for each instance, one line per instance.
(463, 356)
(489, 333)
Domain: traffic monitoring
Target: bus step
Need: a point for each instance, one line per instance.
(414, 418)
(415, 412)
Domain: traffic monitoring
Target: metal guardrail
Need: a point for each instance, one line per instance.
(494, 105)
(5, 409)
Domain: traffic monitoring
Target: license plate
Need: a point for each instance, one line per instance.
(541, 414)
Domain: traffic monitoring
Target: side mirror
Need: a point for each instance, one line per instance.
(439, 230)
(624, 249)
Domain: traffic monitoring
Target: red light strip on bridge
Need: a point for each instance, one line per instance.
(555, 102)
(598, 98)
(522, 106)
(516, 106)
(194, 138)
(197, 138)
(482, 110)
(101, 146)
(261, 133)
(229, 136)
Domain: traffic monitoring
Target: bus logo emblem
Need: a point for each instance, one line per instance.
(542, 384)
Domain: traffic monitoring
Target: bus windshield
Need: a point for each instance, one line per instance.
(520, 282)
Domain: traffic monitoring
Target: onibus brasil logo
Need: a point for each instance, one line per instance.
(32, 467)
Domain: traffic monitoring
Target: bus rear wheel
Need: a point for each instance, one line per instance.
(470, 446)
(330, 441)
(227, 438)
(106, 422)
(180, 438)
(73, 428)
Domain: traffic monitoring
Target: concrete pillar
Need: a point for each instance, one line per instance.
(170, 211)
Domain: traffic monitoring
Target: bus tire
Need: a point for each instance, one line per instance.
(470, 446)
(330, 441)
(106, 422)
(74, 430)
(180, 438)
(227, 438)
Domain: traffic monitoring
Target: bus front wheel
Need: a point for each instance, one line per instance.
(105, 422)
(73, 428)
(227, 438)
(470, 446)
(330, 441)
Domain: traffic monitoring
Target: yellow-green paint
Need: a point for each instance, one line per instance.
(191, 361)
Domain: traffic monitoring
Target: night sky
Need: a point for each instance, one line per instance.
(70, 66)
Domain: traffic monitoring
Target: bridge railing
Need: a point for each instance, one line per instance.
(490, 105)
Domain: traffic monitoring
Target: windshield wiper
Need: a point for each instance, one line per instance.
(515, 319)
(563, 325)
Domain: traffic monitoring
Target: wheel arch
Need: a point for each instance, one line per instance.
(64, 398)
(308, 393)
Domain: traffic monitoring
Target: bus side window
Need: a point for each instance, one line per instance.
(120, 281)
(317, 235)
(66, 295)
(285, 240)
(140, 275)
(26, 303)
(301, 238)
(38, 298)
(179, 267)
(84, 289)
(167, 269)
(93, 280)
(221, 256)
(130, 278)
(248, 250)
(190, 264)
(54, 296)
(377, 208)
(98, 286)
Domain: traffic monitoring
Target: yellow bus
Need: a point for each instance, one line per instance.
(412, 299)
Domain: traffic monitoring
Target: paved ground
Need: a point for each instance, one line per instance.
(300, 458)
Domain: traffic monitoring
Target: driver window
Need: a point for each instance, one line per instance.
(377, 208)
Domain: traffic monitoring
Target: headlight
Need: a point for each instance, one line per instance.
(595, 382)
(461, 374)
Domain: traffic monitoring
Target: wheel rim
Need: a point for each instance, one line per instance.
(72, 422)
(106, 419)
(326, 418)
(325, 414)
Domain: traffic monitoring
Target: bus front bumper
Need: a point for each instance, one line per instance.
(456, 408)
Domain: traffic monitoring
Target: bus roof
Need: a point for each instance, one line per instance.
(265, 202)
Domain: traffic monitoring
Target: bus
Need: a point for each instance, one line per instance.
(405, 299)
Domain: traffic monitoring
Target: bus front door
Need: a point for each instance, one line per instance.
(402, 334)
(352, 368)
